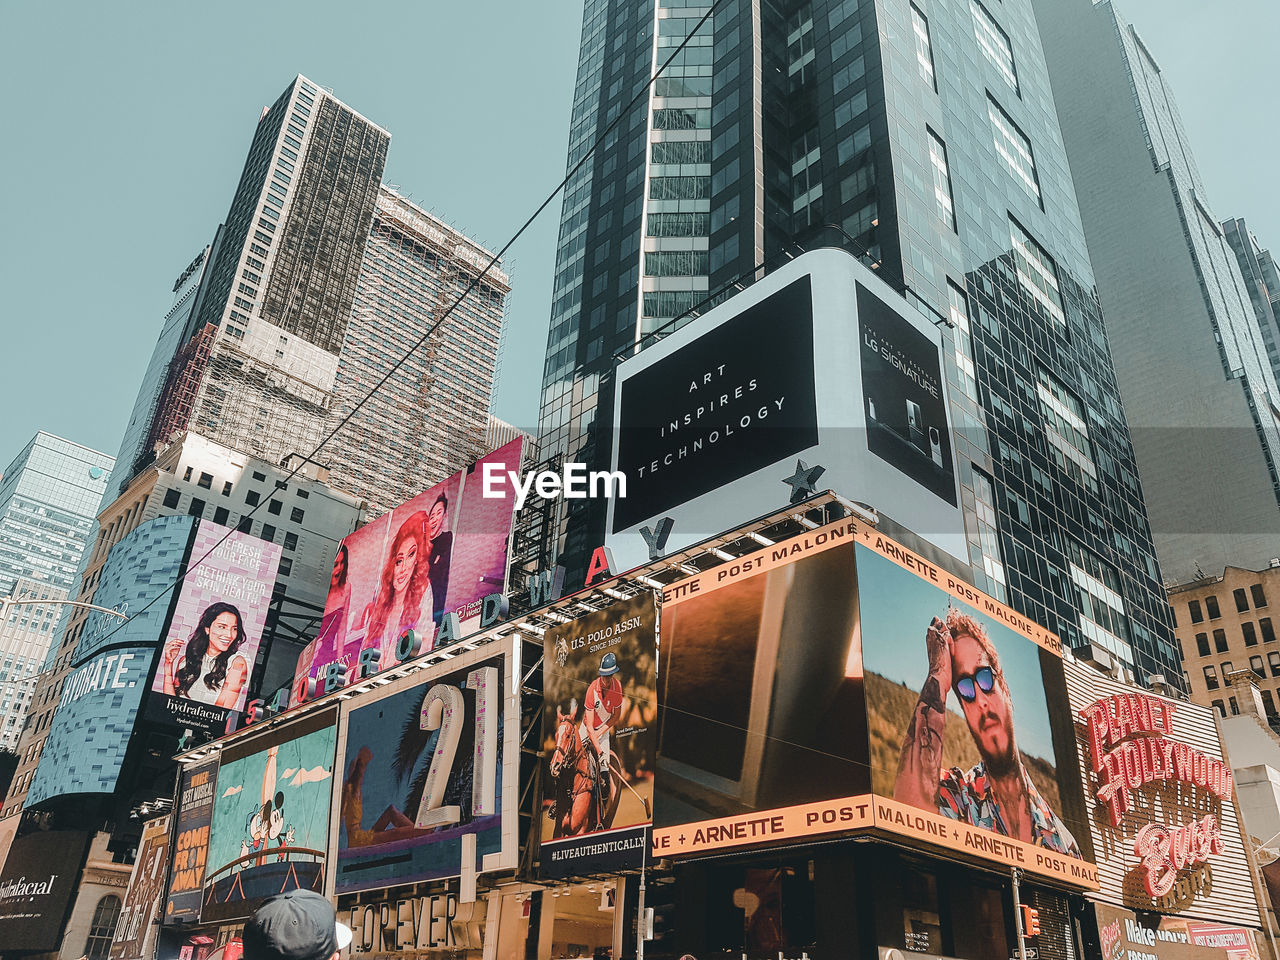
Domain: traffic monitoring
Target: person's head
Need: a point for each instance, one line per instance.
(405, 576)
(980, 687)
(219, 634)
(339, 576)
(436, 515)
(298, 925)
(608, 665)
(402, 561)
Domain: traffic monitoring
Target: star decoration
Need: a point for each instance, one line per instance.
(804, 481)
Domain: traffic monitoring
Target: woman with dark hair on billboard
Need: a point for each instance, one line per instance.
(404, 599)
(207, 667)
(441, 542)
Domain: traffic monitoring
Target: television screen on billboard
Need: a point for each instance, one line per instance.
(39, 880)
(818, 372)
(442, 552)
(91, 731)
(839, 682)
(424, 766)
(216, 627)
(600, 706)
(270, 826)
(190, 843)
(134, 930)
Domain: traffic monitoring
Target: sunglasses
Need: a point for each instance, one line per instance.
(982, 679)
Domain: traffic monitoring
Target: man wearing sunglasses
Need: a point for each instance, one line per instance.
(997, 793)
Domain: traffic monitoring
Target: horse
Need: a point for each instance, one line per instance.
(577, 806)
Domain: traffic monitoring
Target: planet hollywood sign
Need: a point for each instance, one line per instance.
(1129, 749)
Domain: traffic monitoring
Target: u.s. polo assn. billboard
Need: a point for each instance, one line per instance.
(819, 365)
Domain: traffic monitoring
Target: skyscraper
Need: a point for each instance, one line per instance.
(925, 134)
(1262, 278)
(1193, 365)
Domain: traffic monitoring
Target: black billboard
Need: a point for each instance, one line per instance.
(37, 887)
(733, 401)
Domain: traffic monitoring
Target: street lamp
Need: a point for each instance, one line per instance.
(7, 602)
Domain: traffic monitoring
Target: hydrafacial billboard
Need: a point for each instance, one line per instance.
(36, 888)
(839, 682)
(439, 554)
(270, 824)
(819, 365)
(216, 627)
(424, 765)
(600, 704)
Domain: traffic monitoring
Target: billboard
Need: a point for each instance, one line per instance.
(839, 682)
(37, 886)
(599, 739)
(270, 824)
(216, 627)
(819, 363)
(190, 843)
(133, 939)
(441, 552)
(91, 731)
(424, 765)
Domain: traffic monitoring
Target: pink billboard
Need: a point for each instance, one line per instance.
(216, 627)
(442, 552)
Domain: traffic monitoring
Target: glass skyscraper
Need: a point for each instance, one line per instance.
(923, 136)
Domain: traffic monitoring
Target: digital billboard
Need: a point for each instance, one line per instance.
(600, 707)
(839, 682)
(819, 369)
(190, 843)
(423, 767)
(91, 731)
(441, 552)
(134, 938)
(270, 825)
(37, 885)
(216, 627)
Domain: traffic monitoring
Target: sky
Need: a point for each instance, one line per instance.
(129, 124)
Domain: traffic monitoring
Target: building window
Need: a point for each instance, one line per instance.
(245, 525)
(924, 48)
(290, 541)
(676, 263)
(103, 928)
(1269, 703)
(1268, 632)
(274, 507)
(1220, 641)
(1202, 644)
(296, 514)
(1273, 661)
(1250, 634)
(1241, 599)
(196, 508)
(226, 489)
(1014, 148)
(1211, 605)
(1210, 677)
(1197, 616)
(171, 498)
(268, 533)
(1037, 273)
(994, 43)
(259, 476)
(1067, 431)
(1255, 664)
(1259, 598)
(941, 180)
(988, 537)
(251, 498)
(286, 566)
(301, 494)
(205, 481)
(1217, 705)
(1235, 707)
(1226, 667)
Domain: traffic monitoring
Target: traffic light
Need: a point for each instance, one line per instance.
(1030, 921)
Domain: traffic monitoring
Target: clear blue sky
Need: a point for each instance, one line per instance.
(127, 124)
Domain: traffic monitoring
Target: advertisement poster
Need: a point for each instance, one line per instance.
(37, 886)
(91, 731)
(838, 682)
(442, 552)
(902, 390)
(599, 739)
(424, 766)
(134, 937)
(191, 843)
(270, 817)
(818, 377)
(213, 636)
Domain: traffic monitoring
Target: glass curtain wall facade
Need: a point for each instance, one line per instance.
(926, 133)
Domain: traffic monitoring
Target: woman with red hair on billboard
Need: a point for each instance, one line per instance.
(404, 600)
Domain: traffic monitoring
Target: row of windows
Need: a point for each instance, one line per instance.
(1240, 597)
(1247, 630)
(1227, 667)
